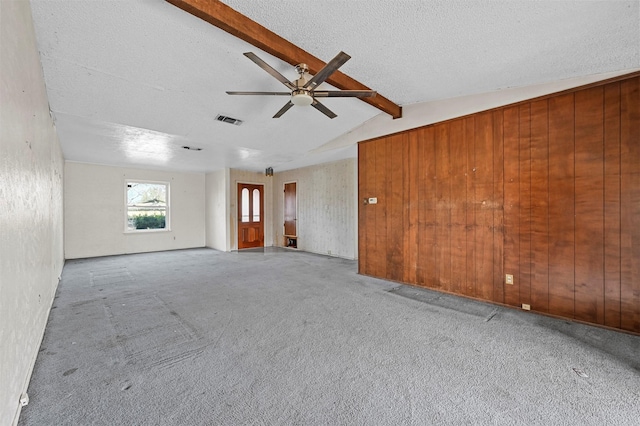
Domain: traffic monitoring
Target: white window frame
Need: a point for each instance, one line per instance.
(167, 219)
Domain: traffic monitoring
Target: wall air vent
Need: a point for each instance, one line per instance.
(229, 120)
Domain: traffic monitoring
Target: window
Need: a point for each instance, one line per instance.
(250, 209)
(147, 206)
(245, 205)
(256, 205)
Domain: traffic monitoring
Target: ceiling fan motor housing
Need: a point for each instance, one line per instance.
(301, 96)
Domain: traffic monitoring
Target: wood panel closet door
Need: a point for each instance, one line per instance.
(290, 210)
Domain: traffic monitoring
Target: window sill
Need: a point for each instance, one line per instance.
(146, 231)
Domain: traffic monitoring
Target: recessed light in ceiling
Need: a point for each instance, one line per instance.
(229, 120)
(192, 148)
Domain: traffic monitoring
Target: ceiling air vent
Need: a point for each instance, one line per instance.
(229, 120)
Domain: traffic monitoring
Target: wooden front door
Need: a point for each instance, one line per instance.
(250, 215)
(290, 217)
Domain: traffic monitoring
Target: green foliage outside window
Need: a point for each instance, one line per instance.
(156, 221)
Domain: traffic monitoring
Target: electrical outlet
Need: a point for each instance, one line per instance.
(508, 279)
(526, 307)
(373, 200)
(24, 400)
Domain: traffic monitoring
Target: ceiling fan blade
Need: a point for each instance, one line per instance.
(261, 93)
(283, 110)
(323, 109)
(268, 68)
(327, 70)
(345, 94)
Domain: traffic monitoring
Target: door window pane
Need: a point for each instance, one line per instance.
(256, 205)
(245, 205)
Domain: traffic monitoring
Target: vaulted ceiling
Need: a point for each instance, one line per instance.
(132, 82)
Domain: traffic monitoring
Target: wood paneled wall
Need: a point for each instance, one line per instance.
(547, 190)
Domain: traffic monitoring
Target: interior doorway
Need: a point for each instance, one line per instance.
(290, 215)
(250, 215)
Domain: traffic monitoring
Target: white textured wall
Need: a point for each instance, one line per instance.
(94, 202)
(31, 167)
(242, 176)
(217, 210)
(327, 207)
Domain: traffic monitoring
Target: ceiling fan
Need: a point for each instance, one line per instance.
(303, 90)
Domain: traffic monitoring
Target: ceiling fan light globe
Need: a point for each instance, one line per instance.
(301, 99)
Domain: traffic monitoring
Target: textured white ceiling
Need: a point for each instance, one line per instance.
(131, 82)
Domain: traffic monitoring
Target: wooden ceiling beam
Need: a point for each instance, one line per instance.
(235, 23)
